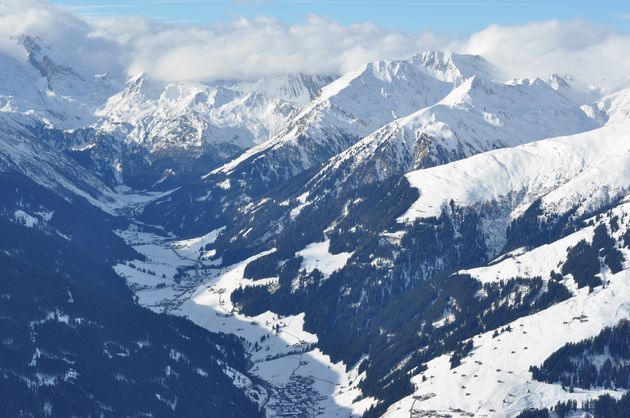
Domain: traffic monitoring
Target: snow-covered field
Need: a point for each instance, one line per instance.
(317, 256)
(535, 263)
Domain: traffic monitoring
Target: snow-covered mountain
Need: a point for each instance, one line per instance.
(413, 238)
(23, 152)
(160, 130)
(125, 127)
(561, 174)
(175, 117)
(348, 109)
(47, 85)
(479, 115)
(566, 180)
(355, 105)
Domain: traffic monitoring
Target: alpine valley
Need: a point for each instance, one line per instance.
(422, 237)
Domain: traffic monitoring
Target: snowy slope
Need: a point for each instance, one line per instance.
(298, 88)
(494, 380)
(454, 68)
(537, 262)
(616, 105)
(317, 256)
(562, 171)
(581, 172)
(21, 151)
(51, 87)
(165, 116)
(355, 105)
(477, 116)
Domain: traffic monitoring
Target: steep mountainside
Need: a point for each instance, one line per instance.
(477, 116)
(187, 121)
(151, 131)
(76, 343)
(144, 132)
(348, 109)
(23, 150)
(353, 106)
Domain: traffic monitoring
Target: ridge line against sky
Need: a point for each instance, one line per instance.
(243, 47)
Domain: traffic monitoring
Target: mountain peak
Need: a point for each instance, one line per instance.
(616, 105)
(41, 61)
(299, 88)
(144, 86)
(454, 68)
(463, 92)
(558, 82)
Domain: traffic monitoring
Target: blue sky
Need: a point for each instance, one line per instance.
(455, 17)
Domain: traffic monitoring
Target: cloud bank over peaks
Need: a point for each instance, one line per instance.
(251, 48)
(68, 38)
(594, 55)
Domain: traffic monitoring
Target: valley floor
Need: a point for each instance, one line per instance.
(302, 381)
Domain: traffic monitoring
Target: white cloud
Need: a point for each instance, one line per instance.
(593, 54)
(69, 37)
(249, 48)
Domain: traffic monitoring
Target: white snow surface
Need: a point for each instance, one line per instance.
(25, 218)
(538, 262)
(193, 247)
(478, 115)
(563, 172)
(317, 256)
